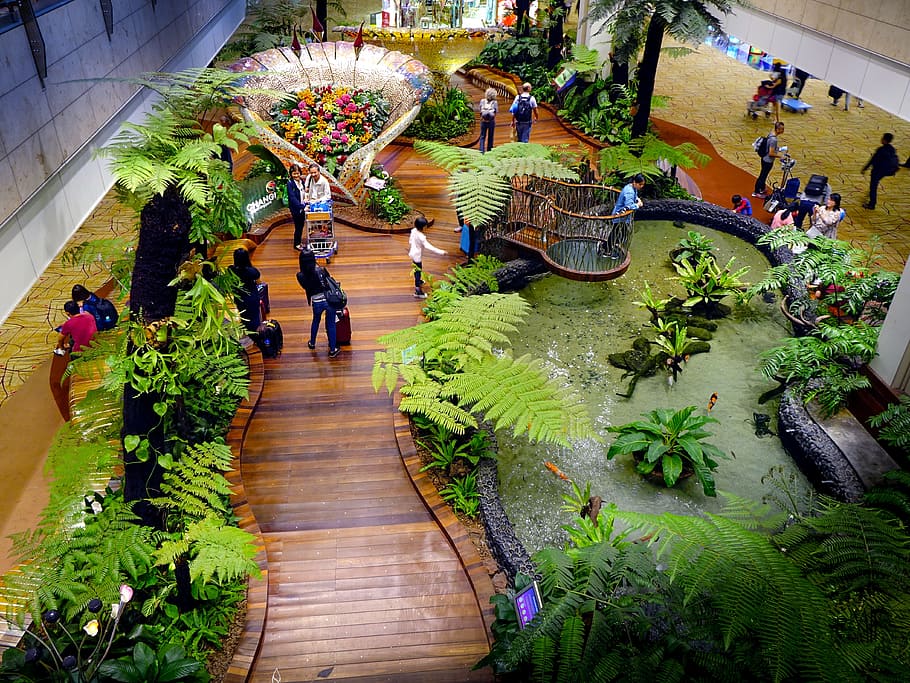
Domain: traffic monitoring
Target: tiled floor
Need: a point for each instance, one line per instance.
(708, 93)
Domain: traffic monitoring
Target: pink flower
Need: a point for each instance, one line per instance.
(340, 125)
(336, 135)
(126, 593)
(295, 112)
(344, 139)
(305, 115)
(308, 134)
(324, 140)
(301, 104)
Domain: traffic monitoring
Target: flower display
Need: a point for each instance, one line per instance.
(327, 124)
(92, 627)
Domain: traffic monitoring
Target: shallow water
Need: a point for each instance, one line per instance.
(574, 325)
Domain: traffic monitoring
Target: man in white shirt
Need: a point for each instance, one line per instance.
(317, 190)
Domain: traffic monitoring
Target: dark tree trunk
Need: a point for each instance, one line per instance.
(555, 35)
(522, 20)
(647, 73)
(163, 245)
(619, 75)
(322, 13)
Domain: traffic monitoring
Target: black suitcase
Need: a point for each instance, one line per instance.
(816, 185)
(269, 338)
(343, 327)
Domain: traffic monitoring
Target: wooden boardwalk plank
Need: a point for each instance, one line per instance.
(361, 578)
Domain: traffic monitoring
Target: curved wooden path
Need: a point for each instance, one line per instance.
(363, 585)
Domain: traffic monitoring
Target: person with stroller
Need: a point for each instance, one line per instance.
(761, 98)
(767, 161)
(311, 280)
(778, 86)
(317, 190)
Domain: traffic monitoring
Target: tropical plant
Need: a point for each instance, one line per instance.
(693, 247)
(169, 664)
(526, 57)
(480, 184)
(670, 443)
(707, 283)
(444, 451)
(635, 24)
(852, 278)
(642, 154)
(673, 339)
(449, 114)
(388, 204)
(823, 365)
(651, 303)
(893, 424)
(452, 368)
(723, 597)
(476, 276)
(462, 494)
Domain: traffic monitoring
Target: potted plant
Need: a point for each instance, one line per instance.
(670, 444)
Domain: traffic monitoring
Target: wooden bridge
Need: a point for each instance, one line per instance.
(570, 225)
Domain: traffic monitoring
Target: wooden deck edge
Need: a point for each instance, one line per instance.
(456, 534)
(257, 589)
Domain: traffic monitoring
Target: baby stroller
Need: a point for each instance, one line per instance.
(760, 100)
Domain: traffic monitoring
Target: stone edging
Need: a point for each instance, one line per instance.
(813, 451)
(257, 589)
(446, 520)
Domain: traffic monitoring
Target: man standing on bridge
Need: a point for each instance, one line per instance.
(628, 198)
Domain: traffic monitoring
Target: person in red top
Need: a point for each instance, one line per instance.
(80, 327)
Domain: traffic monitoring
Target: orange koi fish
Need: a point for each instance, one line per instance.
(712, 401)
(555, 470)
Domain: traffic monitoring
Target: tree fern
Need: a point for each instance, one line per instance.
(194, 487)
(217, 551)
(480, 184)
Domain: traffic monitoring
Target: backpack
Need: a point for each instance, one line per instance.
(487, 109)
(269, 338)
(523, 109)
(893, 163)
(102, 310)
(761, 145)
(334, 294)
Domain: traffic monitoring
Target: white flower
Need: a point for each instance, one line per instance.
(96, 507)
(91, 627)
(126, 594)
(115, 610)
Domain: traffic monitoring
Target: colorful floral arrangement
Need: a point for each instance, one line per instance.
(328, 123)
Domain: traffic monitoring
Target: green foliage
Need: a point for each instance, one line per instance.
(694, 247)
(894, 424)
(642, 154)
(193, 486)
(669, 442)
(526, 57)
(388, 204)
(462, 494)
(146, 666)
(444, 448)
(707, 283)
(216, 551)
(450, 371)
(461, 281)
(170, 148)
(448, 115)
(858, 284)
(115, 256)
(65, 566)
(480, 184)
(823, 365)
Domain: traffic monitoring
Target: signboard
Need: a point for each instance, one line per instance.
(527, 604)
(260, 198)
(564, 79)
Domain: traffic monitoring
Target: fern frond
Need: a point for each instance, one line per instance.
(479, 196)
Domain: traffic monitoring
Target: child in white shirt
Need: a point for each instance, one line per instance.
(416, 244)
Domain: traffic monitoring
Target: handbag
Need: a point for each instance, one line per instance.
(334, 294)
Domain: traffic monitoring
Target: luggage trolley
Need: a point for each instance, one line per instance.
(320, 234)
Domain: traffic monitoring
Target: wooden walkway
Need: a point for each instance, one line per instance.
(363, 585)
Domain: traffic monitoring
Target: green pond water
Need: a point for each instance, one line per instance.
(574, 325)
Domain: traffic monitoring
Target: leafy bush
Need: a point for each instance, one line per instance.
(671, 443)
(448, 115)
(894, 423)
(525, 57)
(388, 204)
(462, 495)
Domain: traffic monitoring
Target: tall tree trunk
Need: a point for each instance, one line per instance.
(619, 75)
(558, 12)
(163, 245)
(522, 20)
(322, 12)
(647, 73)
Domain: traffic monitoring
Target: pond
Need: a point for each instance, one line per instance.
(573, 326)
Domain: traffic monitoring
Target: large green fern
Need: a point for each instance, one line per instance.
(194, 486)
(480, 184)
(453, 368)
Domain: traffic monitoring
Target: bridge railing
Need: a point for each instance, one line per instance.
(543, 212)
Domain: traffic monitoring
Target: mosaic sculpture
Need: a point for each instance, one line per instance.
(402, 80)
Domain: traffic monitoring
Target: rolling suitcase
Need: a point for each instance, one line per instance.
(343, 326)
